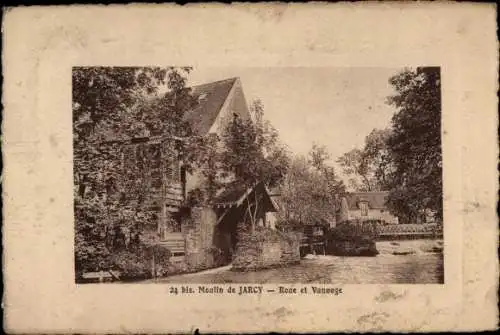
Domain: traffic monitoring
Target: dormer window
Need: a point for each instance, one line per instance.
(202, 96)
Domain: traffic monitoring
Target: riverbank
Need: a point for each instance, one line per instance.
(419, 267)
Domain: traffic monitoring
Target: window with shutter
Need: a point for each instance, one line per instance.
(364, 208)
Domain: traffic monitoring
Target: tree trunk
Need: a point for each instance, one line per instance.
(255, 212)
(367, 182)
(249, 212)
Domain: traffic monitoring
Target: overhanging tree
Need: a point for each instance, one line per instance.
(415, 144)
(111, 104)
(368, 167)
(377, 154)
(252, 154)
(357, 166)
(310, 190)
(318, 159)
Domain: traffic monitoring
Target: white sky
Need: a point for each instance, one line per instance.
(336, 107)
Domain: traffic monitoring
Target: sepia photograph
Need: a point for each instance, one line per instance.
(271, 167)
(258, 175)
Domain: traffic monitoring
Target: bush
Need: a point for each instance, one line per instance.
(131, 265)
(137, 264)
(353, 230)
(352, 239)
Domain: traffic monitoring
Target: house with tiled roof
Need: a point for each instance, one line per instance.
(193, 237)
(217, 103)
(365, 206)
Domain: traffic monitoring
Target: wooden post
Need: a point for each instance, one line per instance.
(153, 264)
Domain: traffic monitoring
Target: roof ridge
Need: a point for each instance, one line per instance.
(216, 82)
(214, 95)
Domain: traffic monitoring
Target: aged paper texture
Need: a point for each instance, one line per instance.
(366, 213)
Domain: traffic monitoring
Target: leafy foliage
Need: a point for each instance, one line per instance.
(205, 153)
(252, 154)
(352, 239)
(376, 151)
(415, 144)
(111, 104)
(405, 159)
(368, 167)
(310, 191)
(351, 230)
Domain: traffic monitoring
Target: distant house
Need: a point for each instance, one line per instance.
(365, 206)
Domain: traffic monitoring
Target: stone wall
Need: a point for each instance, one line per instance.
(290, 249)
(266, 249)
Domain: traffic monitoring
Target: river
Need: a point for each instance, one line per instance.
(416, 263)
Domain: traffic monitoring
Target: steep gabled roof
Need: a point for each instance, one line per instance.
(376, 200)
(211, 99)
(230, 194)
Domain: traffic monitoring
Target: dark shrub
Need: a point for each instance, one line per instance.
(352, 239)
(354, 229)
(138, 264)
(131, 265)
